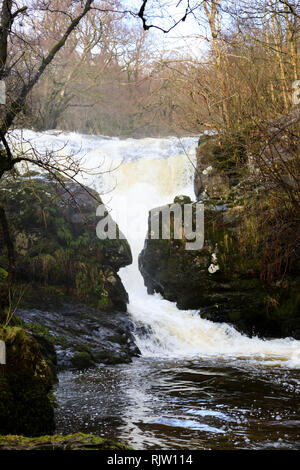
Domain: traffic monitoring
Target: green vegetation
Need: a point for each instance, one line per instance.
(78, 441)
(57, 248)
(26, 405)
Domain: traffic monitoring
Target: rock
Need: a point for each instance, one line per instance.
(182, 200)
(208, 179)
(221, 280)
(84, 336)
(117, 297)
(26, 406)
(82, 360)
(217, 170)
(46, 344)
(54, 233)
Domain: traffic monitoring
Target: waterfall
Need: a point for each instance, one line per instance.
(139, 175)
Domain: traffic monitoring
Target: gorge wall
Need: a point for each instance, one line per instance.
(224, 279)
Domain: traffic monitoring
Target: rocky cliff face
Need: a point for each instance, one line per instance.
(223, 279)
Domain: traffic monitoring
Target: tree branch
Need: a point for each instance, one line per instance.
(18, 104)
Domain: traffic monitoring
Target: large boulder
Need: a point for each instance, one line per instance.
(53, 227)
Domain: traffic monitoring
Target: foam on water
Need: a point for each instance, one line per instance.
(148, 173)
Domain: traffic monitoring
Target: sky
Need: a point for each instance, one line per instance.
(187, 37)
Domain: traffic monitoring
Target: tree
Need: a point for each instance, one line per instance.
(16, 104)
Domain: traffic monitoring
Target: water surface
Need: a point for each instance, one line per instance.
(164, 404)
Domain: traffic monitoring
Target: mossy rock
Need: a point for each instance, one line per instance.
(46, 343)
(26, 400)
(182, 200)
(83, 360)
(110, 358)
(78, 441)
(235, 292)
(55, 240)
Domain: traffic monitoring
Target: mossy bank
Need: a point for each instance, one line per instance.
(26, 386)
(78, 441)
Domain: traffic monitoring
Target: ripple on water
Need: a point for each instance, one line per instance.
(153, 404)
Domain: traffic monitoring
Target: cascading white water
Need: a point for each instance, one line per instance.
(148, 173)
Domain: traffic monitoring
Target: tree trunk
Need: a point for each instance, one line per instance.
(9, 245)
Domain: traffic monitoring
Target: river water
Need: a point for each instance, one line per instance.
(198, 384)
(184, 404)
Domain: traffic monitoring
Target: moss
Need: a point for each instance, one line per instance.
(83, 360)
(61, 341)
(104, 302)
(182, 200)
(78, 441)
(227, 154)
(33, 295)
(41, 331)
(25, 384)
(55, 242)
(3, 275)
(46, 343)
(82, 347)
(108, 357)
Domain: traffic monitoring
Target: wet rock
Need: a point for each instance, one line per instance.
(82, 360)
(85, 336)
